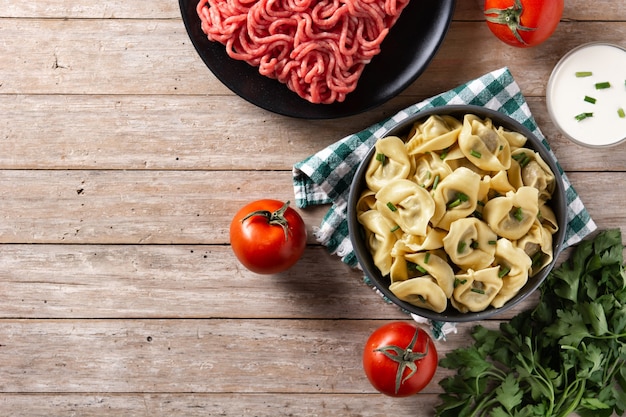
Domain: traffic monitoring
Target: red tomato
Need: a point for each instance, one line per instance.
(267, 236)
(399, 359)
(523, 23)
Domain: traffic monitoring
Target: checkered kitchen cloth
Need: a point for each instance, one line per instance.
(325, 177)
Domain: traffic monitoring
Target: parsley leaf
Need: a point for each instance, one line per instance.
(567, 355)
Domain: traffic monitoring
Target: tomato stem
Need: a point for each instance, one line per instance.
(510, 16)
(405, 358)
(276, 218)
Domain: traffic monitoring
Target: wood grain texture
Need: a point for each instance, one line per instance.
(122, 161)
(181, 207)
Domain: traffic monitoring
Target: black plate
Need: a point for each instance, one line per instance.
(405, 54)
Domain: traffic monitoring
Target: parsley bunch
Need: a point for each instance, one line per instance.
(568, 355)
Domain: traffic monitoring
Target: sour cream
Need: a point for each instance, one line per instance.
(570, 95)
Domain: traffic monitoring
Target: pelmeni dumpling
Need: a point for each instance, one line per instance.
(380, 238)
(548, 218)
(512, 215)
(430, 170)
(531, 170)
(455, 197)
(470, 243)
(413, 243)
(514, 268)
(367, 201)
(537, 244)
(515, 139)
(463, 162)
(390, 162)
(410, 265)
(406, 204)
(482, 145)
(435, 133)
(475, 290)
(422, 292)
(499, 184)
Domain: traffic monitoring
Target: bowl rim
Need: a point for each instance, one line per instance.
(558, 205)
(552, 85)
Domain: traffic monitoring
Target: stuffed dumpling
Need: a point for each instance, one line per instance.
(433, 239)
(366, 201)
(482, 145)
(511, 216)
(435, 133)
(390, 162)
(430, 170)
(470, 244)
(514, 266)
(406, 204)
(455, 197)
(548, 218)
(410, 265)
(380, 238)
(475, 290)
(422, 292)
(531, 170)
(515, 139)
(537, 244)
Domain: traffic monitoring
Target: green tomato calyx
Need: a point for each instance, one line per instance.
(511, 17)
(405, 358)
(276, 218)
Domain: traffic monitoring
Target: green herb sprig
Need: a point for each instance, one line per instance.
(568, 355)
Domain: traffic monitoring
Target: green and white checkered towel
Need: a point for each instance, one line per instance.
(325, 177)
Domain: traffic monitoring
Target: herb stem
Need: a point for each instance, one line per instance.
(576, 402)
(483, 406)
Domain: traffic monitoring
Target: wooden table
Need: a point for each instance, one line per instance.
(122, 161)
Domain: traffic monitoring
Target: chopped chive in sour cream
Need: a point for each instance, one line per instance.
(590, 100)
(603, 85)
(620, 113)
(581, 74)
(583, 116)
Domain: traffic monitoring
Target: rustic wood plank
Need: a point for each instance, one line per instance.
(163, 281)
(56, 56)
(530, 66)
(200, 133)
(191, 356)
(166, 9)
(225, 405)
(180, 207)
(122, 163)
(159, 132)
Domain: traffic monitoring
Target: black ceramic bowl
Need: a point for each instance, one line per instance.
(557, 203)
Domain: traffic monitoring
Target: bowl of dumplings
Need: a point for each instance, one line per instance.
(457, 214)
